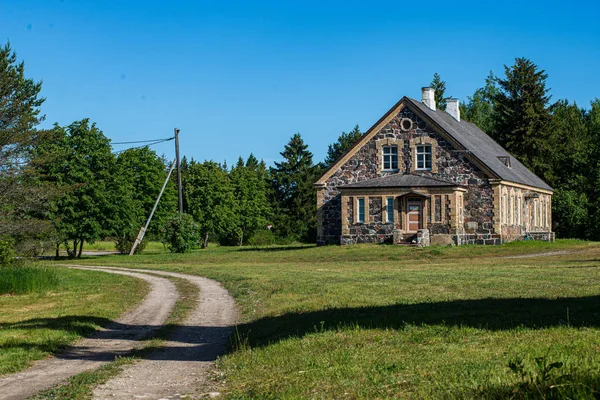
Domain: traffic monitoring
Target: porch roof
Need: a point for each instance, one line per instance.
(401, 181)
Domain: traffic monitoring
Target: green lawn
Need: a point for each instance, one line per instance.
(388, 322)
(33, 326)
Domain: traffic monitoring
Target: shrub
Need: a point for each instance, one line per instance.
(27, 279)
(7, 253)
(124, 243)
(263, 237)
(180, 233)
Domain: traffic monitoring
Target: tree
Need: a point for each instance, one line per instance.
(439, 86)
(80, 162)
(593, 125)
(522, 115)
(569, 174)
(479, 109)
(23, 199)
(144, 173)
(251, 201)
(293, 192)
(344, 142)
(210, 200)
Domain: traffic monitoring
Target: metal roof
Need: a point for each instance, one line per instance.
(482, 147)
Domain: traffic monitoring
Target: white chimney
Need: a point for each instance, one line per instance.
(453, 109)
(428, 97)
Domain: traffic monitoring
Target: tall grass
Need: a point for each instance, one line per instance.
(21, 279)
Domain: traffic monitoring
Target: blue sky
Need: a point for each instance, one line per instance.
(244, 76)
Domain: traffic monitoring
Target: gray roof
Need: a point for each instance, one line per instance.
(482, 147)
(400, 180)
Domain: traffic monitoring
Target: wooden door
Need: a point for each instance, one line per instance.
(414, 215)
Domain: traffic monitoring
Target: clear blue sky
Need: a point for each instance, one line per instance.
(243, 76)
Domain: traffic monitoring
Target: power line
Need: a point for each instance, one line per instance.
(145, 145)
(145, 141)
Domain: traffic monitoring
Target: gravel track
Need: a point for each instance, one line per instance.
(117, 339)
(179, 368)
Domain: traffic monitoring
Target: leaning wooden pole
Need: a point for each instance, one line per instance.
(140, 235)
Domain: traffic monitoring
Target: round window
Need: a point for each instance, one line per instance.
(406, 124)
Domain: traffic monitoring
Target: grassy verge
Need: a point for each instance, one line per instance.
(21, 279)
(389, 322)
(35, 325)
(81, 386)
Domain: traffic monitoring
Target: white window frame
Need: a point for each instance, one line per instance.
(387, 154)
(360, 200)
(423, 150)
(389, 214)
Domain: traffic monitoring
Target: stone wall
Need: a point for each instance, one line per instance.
(451, 165)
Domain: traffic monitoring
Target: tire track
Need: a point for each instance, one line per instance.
(117, 339)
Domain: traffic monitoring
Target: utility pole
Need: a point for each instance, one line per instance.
(178, 171)
(140, 235)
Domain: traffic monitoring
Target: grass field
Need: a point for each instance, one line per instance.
(388, 322)
(35, 325)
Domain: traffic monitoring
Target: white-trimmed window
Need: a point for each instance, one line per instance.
(390, 158)
(360, 210)
(423, 157)
(389, 210)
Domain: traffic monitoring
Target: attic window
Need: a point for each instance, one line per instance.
(406, 124)
(505, 160)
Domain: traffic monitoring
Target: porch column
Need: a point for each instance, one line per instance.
(345, 223)
(455, 214)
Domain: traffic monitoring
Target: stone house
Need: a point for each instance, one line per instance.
(422, 175)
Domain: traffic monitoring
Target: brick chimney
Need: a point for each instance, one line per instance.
(453, 109)
(428, 97)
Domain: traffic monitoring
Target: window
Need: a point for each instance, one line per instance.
(389, 210)
(390, 158)
(361, 210)
(424, 156)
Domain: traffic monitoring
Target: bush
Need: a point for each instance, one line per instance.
(263, 237)
(124, 243)
(180, 233)
(7, 253)
(27, 279)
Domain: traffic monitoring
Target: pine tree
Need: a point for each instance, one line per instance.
(294, 193)
(479, 109)
(344, 142)
(439, 86)
(522, 116)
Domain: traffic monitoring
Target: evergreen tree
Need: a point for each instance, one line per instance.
(439, 86)
(344, 142)
(294, 193)
(479, 109)
(522, 115)
(593, 168)
(23, 199)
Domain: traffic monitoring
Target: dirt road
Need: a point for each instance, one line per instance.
(178, 368)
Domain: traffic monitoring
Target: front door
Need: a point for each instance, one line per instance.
(414, 214)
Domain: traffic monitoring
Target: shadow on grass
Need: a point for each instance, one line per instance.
(491, 314)
(206, 343)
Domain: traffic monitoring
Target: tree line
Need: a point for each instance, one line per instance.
(64, 186)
